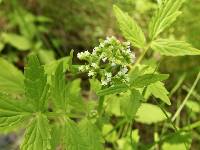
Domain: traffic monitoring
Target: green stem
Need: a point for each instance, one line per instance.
(186, 98)
(192, 126)
(100, 106)
(141, 56)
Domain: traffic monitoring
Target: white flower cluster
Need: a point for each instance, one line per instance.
(109, 60)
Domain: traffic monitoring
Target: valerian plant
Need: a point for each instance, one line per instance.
(54, 114)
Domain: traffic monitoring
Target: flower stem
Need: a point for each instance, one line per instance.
(186, 98)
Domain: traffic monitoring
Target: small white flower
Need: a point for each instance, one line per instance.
(104, 59)
(94, 65)
(104, 82)
(113, 64)
(101, 45)
(124, 70)
(86, 53)
(91, 73)
(81, 68)
(87, 67)
(108, 74)
(80, 55)
(132, 58)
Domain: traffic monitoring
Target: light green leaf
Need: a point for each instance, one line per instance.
(159, 91)
(73, 95)
(149, 114)
(165, 15)
(11, 79)
(17, 41)
(37, 135)
(131, 105)
(57, 131)
(131, 31)
(58, 87)
(112, 90)
(148, 79)
(177, 141)
(173, 48)
(13, 113)
(73, 138)
(36, 86)
(92, 135)
(193, 105)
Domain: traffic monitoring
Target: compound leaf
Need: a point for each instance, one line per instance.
(173, 48)
(37, 135)
(73, 138)
(92, 135)
(12, 112)
(36, 86)
(165, 15)
(11, 79)
(131, 31)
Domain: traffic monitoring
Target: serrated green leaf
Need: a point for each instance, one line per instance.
(36, 86)
(37, 135)
(58, 90)
(57, 131)
(92, 135)
(148, 79)
(13, 113)
(11, 79)
(159, 91)
(112, 90)
(165, 15)
(148, 113)
(173, 48)
(17, 41)
(50, 68)
(73, 138)
(131, 31)
(131, 105)
(73, 95)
